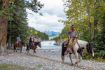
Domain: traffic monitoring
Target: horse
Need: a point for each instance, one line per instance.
(18, 45)
(77, 50)
(33, 46)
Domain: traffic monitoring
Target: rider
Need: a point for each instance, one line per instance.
(30, 40)
(18, 39)
(72, 35)
(72, 38)
(35, 39)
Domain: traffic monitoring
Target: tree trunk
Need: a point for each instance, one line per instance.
(3, 26)
(89, 24)
(95, 21)
(3, 34)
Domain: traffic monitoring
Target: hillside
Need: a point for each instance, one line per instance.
(37, 33)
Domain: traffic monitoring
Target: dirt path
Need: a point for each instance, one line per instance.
(48, 60)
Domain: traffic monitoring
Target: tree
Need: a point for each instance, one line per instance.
(38, 34)
(17, 25)
(13, 12)
(88, 18)
(3, 24)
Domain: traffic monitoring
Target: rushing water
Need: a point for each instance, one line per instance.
(49, 45)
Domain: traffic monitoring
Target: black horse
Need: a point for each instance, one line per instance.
(33, 46)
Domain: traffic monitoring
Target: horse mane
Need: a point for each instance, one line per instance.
(82, 43)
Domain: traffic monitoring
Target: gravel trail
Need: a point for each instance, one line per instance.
(48, 60)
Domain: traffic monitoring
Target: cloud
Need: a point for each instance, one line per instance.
(53, 11)
(53, 7)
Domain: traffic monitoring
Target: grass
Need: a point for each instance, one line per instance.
(100, 60)
(17, 67)
(97, 59)
(12, 67)
(37, 67)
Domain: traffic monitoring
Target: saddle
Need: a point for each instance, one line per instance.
(31, 44)
(17, 42)
(70, 45)
(69, 50)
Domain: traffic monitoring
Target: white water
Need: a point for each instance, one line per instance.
(49, 45)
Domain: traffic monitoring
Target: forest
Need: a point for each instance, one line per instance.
(13, 20)
(88, 17)
(30, 53)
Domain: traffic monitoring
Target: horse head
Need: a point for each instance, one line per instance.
(90, 49)
(39, 44)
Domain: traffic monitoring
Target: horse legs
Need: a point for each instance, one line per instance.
(27, 49)
(70, 59)
(80, 57)
(21, 49)
(78, 60)
(15, 49)
(34, 50)
(62, 57)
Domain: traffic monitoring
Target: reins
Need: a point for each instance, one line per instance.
(78, 44)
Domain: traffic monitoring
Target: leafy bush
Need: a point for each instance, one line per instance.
(100, 54)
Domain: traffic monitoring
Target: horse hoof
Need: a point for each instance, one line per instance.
(62, 62)
(72, 64)
(76, 63)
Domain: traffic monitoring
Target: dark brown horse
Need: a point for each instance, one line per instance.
(18, 45)
(33, 46)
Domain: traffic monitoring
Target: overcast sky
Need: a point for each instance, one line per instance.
(53, 11)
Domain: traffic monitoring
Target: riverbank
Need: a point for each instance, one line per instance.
(48, 60)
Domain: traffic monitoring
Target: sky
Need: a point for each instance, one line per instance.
(52, 11)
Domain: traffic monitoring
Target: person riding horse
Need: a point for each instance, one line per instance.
(18, 43)
(33, 43)
(31, 40)
(72, 39)
(18, 40)
(75, 46)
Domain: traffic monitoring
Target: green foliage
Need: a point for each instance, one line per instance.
(34, 5)
(88, 16)
(100, 53)
(38, 34)
(63, 35)
(17, 18)
(17, 24)
(12, 67)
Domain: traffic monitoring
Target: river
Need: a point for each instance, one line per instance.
(50, 44)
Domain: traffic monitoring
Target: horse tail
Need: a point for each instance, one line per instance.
(14, 46)
(63, 49)
(27, 47)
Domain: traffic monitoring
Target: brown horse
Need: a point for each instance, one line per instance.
(18, 45)
(33, 46)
